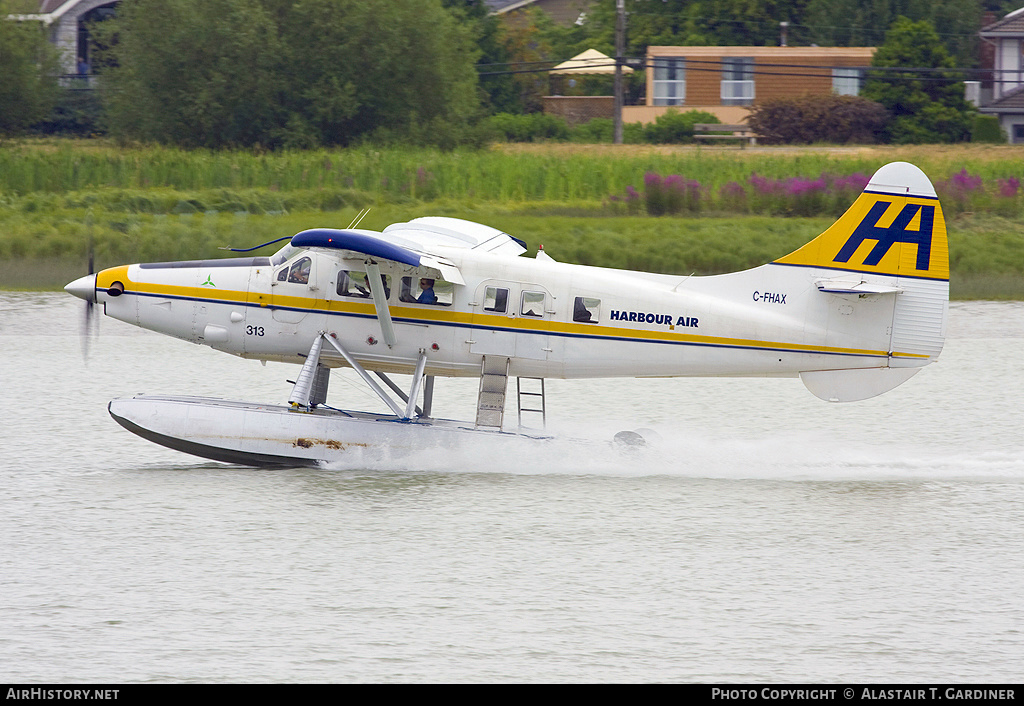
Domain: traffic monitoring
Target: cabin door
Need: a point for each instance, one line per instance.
(293, 285)
(493, 320)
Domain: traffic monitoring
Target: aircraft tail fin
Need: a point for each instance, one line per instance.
(891, 241)
(895, 227)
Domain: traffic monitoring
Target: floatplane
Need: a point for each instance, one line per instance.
(853, 313)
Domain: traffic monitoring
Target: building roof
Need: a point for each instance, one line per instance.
(1012, 102)
(589, 62)
(501, 5)
(1012, 24)
(48, 6)
(51, 11)
(767, 52)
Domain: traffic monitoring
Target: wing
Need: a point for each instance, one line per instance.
(416, 246)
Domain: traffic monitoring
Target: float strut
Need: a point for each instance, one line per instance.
(365, 376)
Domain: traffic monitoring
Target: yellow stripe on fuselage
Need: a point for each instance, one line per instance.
(405, 314)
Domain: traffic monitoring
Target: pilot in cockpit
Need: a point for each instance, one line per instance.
(427, 295)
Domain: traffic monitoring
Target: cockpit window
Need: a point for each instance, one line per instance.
(298, 272)
(586, 310)
(284, 254)
(355, 284)
(424, 290)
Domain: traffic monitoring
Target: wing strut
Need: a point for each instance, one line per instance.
(363, 374)
(380, 302)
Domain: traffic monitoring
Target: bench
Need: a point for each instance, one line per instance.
(707, 131)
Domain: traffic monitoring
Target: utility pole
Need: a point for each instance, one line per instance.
(620, 49)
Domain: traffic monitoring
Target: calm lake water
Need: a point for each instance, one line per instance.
(771, 537)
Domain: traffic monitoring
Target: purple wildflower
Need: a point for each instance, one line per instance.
(1009, 187)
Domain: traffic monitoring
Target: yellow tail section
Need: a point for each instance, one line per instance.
(895, 227)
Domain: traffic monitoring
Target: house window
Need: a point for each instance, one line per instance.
(1018, 133)
(737, 81)
(846, 82)
(669, 81)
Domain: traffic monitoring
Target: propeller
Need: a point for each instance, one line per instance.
(85, 288)
(91, 324)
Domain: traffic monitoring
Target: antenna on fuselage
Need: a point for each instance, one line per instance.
(359, 217)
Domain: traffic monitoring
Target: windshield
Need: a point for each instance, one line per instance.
(284, 254)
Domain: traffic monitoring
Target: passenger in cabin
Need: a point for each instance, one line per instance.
(580, 312)
(357, 284)
(427, 295)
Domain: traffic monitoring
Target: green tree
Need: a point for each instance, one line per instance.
(296, 74)
(28, 68)
(197, 73)
(865, 22)
(498, 89)
(926, 104)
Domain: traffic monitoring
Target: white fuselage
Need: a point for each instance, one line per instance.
(768, 321)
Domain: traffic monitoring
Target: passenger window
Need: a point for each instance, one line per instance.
(299, 272)
(355, 284)
(586, 310)
(533, 304)
(424, 290)
(496, 299)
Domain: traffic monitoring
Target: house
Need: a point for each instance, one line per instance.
(1007, 98)
(67, 23)
(725, 81)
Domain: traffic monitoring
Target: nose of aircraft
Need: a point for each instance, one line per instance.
(83, 288)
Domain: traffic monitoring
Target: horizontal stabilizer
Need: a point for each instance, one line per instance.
(854, 286)
(854, 385)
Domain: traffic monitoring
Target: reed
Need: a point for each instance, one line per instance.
(509, 173)
(721, 208)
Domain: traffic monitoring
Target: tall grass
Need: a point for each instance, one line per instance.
(587, 205)
(396, 174)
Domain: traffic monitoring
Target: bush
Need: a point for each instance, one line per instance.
(986, 128)
(528, 128)
(675, 127)
(77, 114)
(810, 119)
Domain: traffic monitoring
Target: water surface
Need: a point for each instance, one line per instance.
(772, 537)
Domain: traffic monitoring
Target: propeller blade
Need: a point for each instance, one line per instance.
(91, 324)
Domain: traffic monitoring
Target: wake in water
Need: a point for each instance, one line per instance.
(689, 454)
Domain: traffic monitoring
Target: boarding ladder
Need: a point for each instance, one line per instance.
(490, 403)
(533, 397)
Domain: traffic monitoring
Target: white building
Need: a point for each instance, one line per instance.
(67, 22)
(1007, 102)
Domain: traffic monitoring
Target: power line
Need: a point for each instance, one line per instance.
(894, 73)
